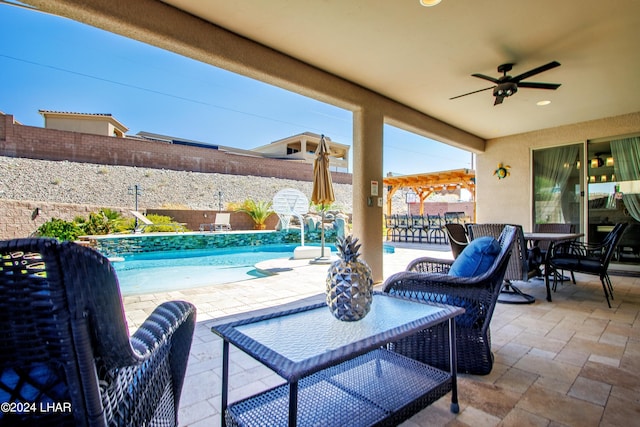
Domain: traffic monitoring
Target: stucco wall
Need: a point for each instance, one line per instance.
(94, 127)
(509, 200)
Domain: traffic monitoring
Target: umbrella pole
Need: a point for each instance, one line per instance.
(322, 235)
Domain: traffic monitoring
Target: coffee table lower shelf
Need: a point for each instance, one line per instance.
(380, 388)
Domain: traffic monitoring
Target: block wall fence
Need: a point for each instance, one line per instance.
(22, 218)
(31, 142)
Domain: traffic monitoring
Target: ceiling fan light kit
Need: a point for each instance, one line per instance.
(506, 85)
(429, 3)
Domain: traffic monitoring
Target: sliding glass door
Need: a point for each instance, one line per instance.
(557, 185)
(603, 189)
(614, 194)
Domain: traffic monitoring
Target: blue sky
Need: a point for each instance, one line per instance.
(53, 63)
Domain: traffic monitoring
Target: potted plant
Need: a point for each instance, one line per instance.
(258, 211)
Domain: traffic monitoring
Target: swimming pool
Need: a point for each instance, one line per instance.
(165, 271)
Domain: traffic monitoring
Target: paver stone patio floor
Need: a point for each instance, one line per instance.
(570, 362)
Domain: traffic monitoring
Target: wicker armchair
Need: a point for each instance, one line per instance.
(426, 279)
(523, 265)
(588, 258)
(67, 357)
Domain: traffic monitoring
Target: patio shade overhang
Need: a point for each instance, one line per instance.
(425, 184)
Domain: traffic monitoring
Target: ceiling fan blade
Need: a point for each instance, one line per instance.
(533, 85)
(535, 71)
(489, 78)
(498, 100)
(470, 93)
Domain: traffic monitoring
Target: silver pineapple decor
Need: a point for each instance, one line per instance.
(349, 282)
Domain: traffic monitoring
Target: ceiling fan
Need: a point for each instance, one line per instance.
(506, 85)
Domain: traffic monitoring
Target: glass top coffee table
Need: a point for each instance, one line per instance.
(339, 373)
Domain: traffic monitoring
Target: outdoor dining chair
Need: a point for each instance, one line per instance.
(544, 245)
(417, 228)
(588, 258)
(430, 280)
(435, 233)
(390, 225)
(403, 227)
(67, 355)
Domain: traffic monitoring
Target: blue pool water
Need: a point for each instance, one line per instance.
(174, 270)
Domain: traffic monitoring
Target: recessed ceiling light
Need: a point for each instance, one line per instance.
(541, 103)
(429, 3)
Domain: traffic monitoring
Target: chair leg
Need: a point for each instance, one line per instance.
(607, 280)
(607, 287)
(609, 284)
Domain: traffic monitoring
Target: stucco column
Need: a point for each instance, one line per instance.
(367, 167)
(303, 147)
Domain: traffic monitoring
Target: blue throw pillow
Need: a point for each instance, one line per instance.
(476, 258)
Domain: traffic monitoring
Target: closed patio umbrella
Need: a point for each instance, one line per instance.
(322, 186)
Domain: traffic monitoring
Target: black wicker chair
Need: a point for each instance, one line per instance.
(458, 238)
(426, 279)
(588, 258)
(67, 358)
(524, 264)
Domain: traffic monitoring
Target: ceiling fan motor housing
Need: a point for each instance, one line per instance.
(505, 89)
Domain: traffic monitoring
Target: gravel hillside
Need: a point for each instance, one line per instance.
(85, 183)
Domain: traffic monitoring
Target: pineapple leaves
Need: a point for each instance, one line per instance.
(348, 248)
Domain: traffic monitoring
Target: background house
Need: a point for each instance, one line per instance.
(303, 147)
(97, 124)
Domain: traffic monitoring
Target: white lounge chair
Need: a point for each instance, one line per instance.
(146, 222)
(222, 222)
(142, 218)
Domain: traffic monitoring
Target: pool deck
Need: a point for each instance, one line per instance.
(571, 362)
(291, 280)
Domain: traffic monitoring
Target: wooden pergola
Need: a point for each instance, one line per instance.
(425, 184)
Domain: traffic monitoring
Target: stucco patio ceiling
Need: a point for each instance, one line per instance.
(422, 56)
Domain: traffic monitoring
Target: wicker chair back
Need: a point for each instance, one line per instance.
(458, 238)
(552, 228)
(66, 346)
(519, 268)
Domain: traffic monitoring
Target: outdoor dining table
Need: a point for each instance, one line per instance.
(552, 238)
